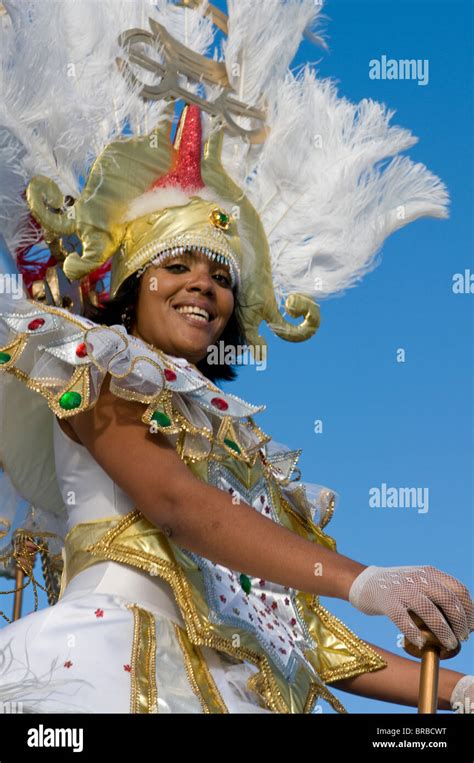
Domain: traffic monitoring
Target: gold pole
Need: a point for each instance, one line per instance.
(18, 599)
(430, 653)
(28, 561)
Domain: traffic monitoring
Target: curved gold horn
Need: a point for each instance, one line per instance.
(296, 305)
(47, 203)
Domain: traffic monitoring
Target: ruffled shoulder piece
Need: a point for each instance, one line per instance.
(66, 357)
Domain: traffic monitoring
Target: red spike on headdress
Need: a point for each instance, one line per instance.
(186, 172)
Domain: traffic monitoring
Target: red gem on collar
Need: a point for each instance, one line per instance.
(81, 350)
(36, 323)
(218, 402)
(170, 375)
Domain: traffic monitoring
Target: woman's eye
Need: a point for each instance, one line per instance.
(223, 278)
(175, 265)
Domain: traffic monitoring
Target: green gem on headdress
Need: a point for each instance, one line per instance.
(219, 218)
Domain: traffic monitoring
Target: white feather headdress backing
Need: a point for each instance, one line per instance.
(327, 183)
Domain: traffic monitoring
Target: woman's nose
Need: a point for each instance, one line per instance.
(201, 279)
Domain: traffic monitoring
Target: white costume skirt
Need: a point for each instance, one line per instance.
(111, 644)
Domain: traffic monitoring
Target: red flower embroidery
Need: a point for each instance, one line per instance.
(127, 668)
(274, 605)
(287, 601)
(293, 621)
(68, 664)
(99, 613)
(222, 598)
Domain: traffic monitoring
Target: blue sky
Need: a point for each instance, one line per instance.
(404, 424)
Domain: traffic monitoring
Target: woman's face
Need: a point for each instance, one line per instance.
(166, 294)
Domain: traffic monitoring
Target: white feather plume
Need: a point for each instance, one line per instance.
(329, 182)
(329, 185)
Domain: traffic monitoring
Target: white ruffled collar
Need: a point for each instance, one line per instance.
(59, 334)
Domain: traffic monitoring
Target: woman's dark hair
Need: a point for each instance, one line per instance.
(126, 299)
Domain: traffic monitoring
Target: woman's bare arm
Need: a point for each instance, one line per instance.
(200, 517)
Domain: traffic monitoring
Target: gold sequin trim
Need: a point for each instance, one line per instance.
(144, 694)
(199, 675)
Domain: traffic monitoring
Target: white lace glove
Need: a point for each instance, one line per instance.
(462, 698)
(392, 591)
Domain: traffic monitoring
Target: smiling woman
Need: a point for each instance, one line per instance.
(189, 283)
(190, 553)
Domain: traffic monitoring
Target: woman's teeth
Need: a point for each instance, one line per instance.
(196, 313)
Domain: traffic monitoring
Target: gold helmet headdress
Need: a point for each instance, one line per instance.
(287, 186)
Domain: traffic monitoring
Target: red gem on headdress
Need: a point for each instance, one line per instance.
(186, 172)
(36, 323)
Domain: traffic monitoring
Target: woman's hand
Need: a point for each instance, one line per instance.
(393, 591)
(462, 698)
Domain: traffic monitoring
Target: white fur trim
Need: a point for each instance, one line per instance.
(169, 196)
